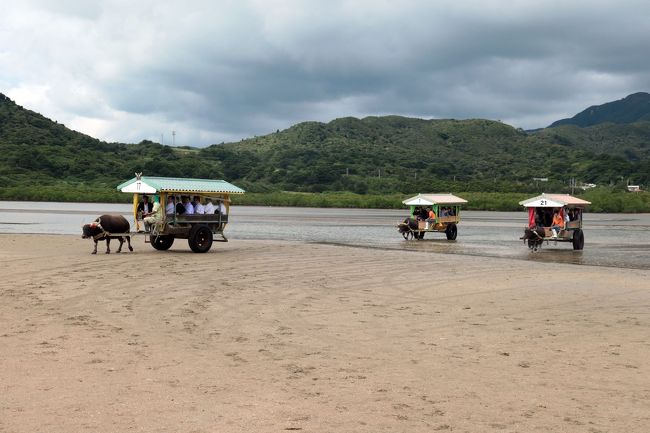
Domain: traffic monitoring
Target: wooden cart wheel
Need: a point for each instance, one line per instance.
(161, 242)
(200, 239)
(578, 239)
(451, 231)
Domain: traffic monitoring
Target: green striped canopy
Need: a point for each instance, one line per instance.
(153, 185)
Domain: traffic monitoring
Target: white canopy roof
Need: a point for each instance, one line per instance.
(554, 200)
(431, 199)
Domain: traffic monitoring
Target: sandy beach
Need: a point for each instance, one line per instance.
(271, 336)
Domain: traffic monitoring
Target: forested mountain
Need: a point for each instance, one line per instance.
(374, 154)
(403, 154)
(633, 108)
(36, 150)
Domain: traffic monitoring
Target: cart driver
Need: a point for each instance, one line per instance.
(431, 217)
(558, 223)
(154, 216)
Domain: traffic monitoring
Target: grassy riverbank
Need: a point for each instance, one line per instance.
(603, 199)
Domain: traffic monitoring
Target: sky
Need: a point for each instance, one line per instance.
(200, 72)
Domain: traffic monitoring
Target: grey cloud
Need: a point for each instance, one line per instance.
(223, 70)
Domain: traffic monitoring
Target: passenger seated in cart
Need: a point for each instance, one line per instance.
(421, 213)
(180, 208)
(171, 205)
(198, 207)
(222, 208)
(144, 207)
(447, 211)
(542, 217)
(189, 208)
(209, 207)
(574, 214)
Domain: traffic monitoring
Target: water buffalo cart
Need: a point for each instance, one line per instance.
(554, 217)
(172, 221)
(432, 213)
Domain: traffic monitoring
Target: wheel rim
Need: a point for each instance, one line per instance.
(202, 238)
(162, 242)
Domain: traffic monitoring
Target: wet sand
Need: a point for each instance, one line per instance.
(268, 336)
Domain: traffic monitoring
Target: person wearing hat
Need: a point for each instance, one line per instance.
(154, 216)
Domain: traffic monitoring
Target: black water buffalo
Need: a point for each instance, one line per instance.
(535, 238)
(408, 228)
(104, 227)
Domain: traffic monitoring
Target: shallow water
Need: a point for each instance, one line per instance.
(619, 240)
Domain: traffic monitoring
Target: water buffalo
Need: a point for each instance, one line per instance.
(535, 238)
(103, 227)
(408, 228)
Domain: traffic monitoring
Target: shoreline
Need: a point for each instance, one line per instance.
(619, 202)
(545, 258)
(531, 258)
(283, 335)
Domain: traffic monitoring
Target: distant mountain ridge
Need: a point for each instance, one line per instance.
(375, 155)
(633, 108)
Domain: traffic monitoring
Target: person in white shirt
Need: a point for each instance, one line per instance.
(198, 207)
(189, 209)
(209, 207)
(171, 205)
(222, 208)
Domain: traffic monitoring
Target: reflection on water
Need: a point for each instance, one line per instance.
(610, 239)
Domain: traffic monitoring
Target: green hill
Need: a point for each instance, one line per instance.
(633, 108)
(39, 154)
(401, 154)
(43, 159)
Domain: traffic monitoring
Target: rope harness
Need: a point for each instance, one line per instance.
(103, 234)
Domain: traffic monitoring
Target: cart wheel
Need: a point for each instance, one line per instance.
(451, 231)
(200, 239)
(161, 242)
(578, 239)
(420, 235)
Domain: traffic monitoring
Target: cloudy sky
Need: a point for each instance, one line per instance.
(217, 70)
